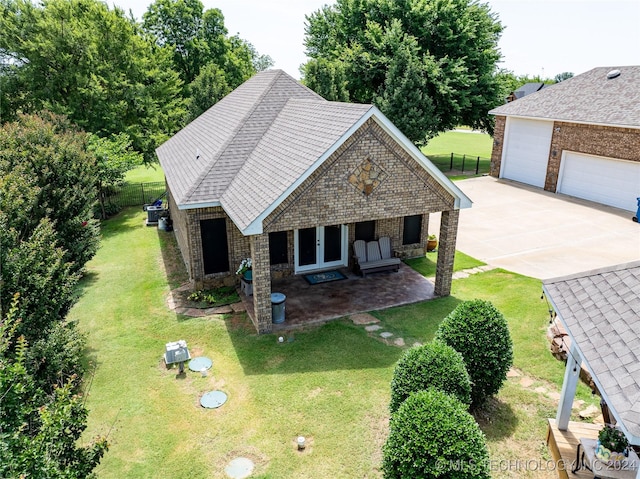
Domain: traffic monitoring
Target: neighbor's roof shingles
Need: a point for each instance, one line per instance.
(586, 98)
(601, 311)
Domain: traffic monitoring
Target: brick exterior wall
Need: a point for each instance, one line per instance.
(498, 142)
(607, 141)
(330, 196)
(180, 221)
(621, 143)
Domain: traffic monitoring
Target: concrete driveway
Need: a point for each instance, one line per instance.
(540, 234)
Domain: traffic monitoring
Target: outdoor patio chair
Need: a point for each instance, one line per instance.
(369, 258)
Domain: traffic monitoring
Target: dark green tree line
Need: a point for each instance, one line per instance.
(47, 234)
(428, 65)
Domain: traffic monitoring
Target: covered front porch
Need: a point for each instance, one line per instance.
(308, 304)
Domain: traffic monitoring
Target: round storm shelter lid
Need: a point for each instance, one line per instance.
(198, 364)
(239, 468)
(213, 399)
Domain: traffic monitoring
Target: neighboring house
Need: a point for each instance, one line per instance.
(524, 90)
(276, 173)
(580, 137)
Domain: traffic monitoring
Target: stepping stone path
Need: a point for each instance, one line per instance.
(363, 318)
(239, 468)
(372, 328)
(386, 335)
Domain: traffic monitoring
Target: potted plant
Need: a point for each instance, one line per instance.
(432, 242)
(245, 269)
(612, 445)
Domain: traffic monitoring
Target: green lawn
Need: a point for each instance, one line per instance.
(471, 144)
(329, 383)
(467, 147)
(145, 174)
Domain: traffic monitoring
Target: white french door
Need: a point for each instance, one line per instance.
(320, 247)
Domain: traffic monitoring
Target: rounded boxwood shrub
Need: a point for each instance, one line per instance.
(478, 331)
(435, 364)
(432, 435)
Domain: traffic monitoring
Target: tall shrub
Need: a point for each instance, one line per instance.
(433, 436)
(478, 331)
(435, 364)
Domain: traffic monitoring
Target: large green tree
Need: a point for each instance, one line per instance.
(210, 62)
(198, 37)
(91, 63)
(427, 64)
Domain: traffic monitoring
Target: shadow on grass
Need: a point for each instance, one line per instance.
(496, 419)
(88, 280)
(121, 223)
(337, 345)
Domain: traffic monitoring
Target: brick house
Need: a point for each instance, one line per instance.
(580, 137)
(275, 173)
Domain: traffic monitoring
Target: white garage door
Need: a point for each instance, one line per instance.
(604, 180)
(526, 151)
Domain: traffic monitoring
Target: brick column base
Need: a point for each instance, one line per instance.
(446, 251)
(261, 282)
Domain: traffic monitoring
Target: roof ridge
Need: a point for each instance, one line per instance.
(205, 172)
(593, 272)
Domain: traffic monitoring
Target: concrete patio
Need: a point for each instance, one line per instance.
(313, 304)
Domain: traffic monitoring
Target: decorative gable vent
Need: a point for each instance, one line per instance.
(367, 176)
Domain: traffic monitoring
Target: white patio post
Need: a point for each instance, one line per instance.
(571, 375)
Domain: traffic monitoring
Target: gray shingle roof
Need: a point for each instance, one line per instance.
(528, 89)
(203, 158)
(601, 311)
(260, 142)
(587, 98)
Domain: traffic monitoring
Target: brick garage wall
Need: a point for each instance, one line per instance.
(621, 143)
(328, 197)
(498, 142)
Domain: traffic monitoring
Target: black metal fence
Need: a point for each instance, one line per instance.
(137, 194)
(463, 164)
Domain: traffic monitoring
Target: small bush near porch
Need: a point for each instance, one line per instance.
(329, 384)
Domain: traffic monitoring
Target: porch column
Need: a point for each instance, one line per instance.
(571, 376)
(261, 282)
(446, 251)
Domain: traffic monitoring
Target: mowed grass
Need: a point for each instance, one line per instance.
(467, 147)
(145, 174)
(329, 383)
(471, 144)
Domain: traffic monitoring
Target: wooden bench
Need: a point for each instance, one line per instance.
(375, 256)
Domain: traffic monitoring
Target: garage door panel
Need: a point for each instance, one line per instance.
(526, 151)
(608, 181)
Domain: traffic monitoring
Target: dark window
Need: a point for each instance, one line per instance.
(278, 248)
(412, 228)
(215, 250)
(366, 230)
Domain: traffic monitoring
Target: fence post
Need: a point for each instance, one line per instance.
(463, 158)
(477, 165)
(142, 188)
(451, 163)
